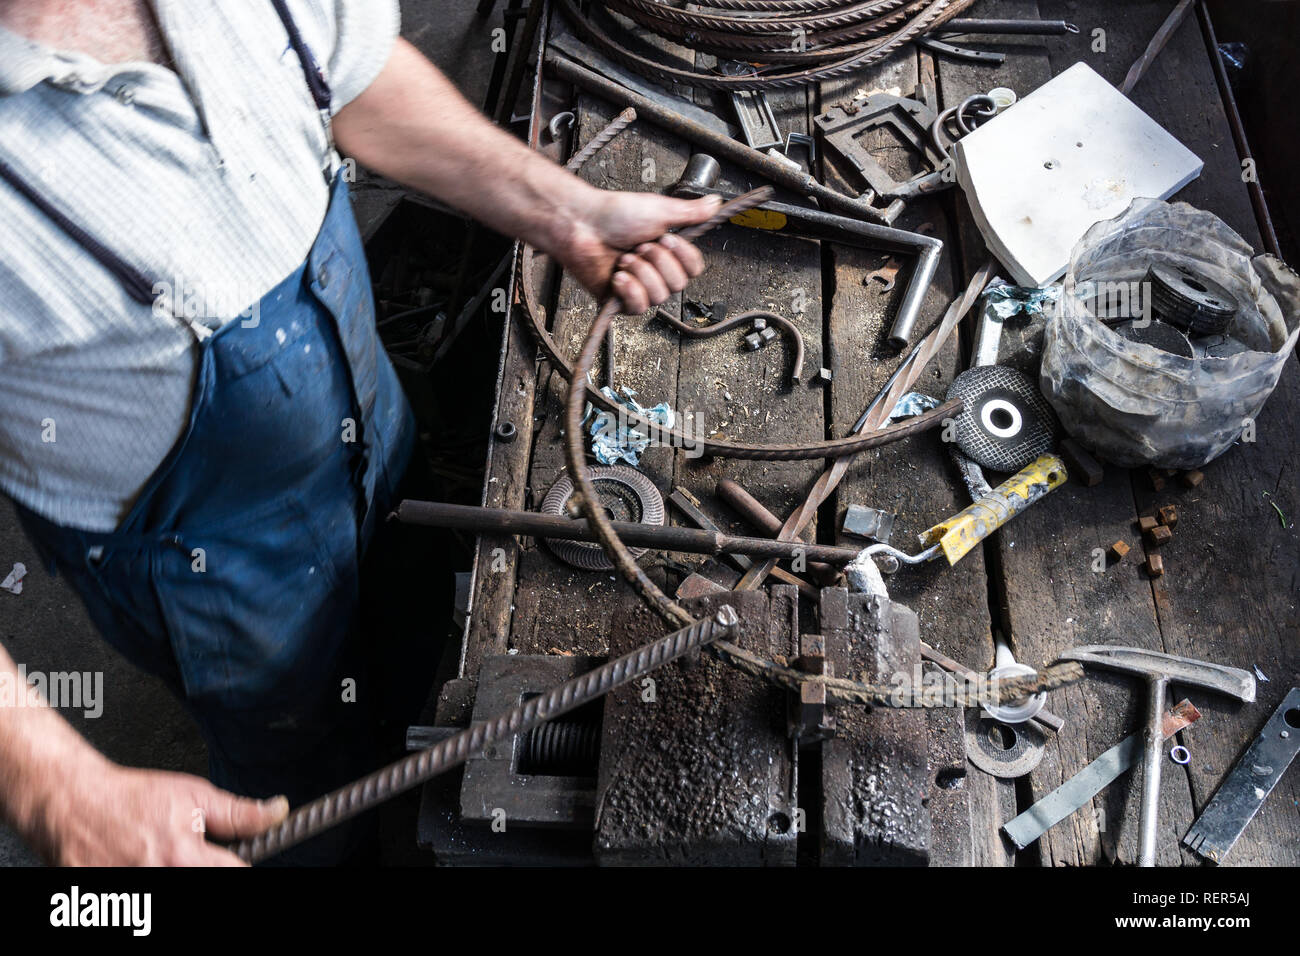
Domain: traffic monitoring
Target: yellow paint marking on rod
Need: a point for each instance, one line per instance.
(761, 219)
(959, 534)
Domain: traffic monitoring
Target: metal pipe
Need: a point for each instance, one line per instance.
(1005, 27)
(689, 505)
(781, 173)
(438, 514)
(829, 227)
(1152, 759)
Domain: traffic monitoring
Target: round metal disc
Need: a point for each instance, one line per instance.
(1006, 423)
(1189, 300)
(1000, 749)
(625, 493)
(1160, 335)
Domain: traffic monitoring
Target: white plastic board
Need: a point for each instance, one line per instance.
(1072, 153)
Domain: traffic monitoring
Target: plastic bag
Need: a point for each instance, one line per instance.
(1133, 404)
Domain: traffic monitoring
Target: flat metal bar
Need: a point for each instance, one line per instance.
(1071, 796)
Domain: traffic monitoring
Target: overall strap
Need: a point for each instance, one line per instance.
(136, 285)
(316, 82)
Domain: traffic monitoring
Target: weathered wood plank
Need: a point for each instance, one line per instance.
(1050, 597)
(580, 620)
(739, 395)
(1230, 590)
(914, 479)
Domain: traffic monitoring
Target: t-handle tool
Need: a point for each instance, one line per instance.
(1159, 670)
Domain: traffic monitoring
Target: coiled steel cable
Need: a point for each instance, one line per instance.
(816, 30)
(347, 802)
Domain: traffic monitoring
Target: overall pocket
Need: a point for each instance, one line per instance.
(257, 609)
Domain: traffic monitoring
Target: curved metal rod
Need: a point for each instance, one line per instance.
(837, 448)
(574, 446)
(717, 328)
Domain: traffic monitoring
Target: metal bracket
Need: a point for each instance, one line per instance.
(757, 121)
(842, 130)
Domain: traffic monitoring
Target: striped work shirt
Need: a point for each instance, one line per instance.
(207, 179)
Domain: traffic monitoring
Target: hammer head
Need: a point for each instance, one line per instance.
(1153, 665)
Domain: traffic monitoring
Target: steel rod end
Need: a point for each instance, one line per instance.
(726, 616)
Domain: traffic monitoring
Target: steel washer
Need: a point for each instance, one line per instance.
(627, 493)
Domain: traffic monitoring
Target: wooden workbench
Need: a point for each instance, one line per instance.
(1230, 593)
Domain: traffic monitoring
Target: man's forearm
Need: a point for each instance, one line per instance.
(37, 748)
(414, 126)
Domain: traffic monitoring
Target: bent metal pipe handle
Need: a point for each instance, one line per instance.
(347, 802)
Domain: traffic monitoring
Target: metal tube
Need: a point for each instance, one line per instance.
(829, 227)
(783, 174)
(1006, 27)
(438, 514)
(1152, 758)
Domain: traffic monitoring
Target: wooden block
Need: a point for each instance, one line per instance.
(1157, 479)
(1154, 565)
(1146, 523)
(1168, 516)
(1192, 479)
(1083, 468)
(1119, 549)
(1159, 535)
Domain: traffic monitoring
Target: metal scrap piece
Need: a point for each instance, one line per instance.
(1246, 788)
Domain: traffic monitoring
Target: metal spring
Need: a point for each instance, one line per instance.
(561, 747)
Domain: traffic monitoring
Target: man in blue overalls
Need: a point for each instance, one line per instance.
(247, 565)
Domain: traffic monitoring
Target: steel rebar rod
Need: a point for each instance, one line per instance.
(602, 139)
(439, 514)
(1158, 42)
(580, 159)
(347, 802)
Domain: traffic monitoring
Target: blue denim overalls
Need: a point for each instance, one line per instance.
(236, 576)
